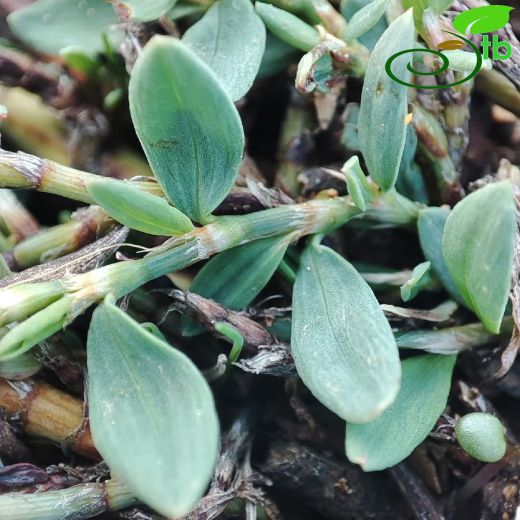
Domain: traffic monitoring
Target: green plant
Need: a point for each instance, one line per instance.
(151, 409)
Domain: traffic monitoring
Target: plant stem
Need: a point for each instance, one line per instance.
(21, 170)
(287, 272)
(48, 412)
(315, 216)
(85, 226)
(77, 502)
(83, 290)
(433, 144)
(225, 233)
(456, 119)
(499, 89)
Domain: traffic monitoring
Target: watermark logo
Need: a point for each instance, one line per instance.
(480, 20)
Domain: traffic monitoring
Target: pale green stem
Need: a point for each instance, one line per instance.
(316, 216)
(21, 170)
(499, 89)
(287, 272)
(85, 226)
(74, 503)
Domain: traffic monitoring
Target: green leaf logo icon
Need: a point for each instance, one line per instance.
(488, 18)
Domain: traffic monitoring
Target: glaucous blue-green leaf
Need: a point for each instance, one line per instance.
(341, 342)
(230, 38)
(184, 8)
(139, 210)
(431, 224)
(235, 277)
(151, 412)
(142, 10)
(382, 127)
(288, 27)
(194, 141)
(364, 19)
(482, 436)
(358, 186)
(20, 367)
(350, 137)
(478, 246)
(52, 25)
(420, 278)
(407, 422)
(349, 8)
(483, 19)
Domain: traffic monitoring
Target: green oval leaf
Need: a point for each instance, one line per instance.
(342, 343)
(235, 277)
(350, 7)
(431, 224)
(288, 27)
(21, 367)
(350, 138)
(421, 400)
(185, 8)
(139, 210)
(483, 19)
(382, 128)
(482, 436)
(194, 141)
(478, 247)
(151, 412)
(52, 25)
(419, 279)
(230, 38)
(364, 19)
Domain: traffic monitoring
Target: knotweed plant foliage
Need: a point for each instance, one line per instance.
(151, 410)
